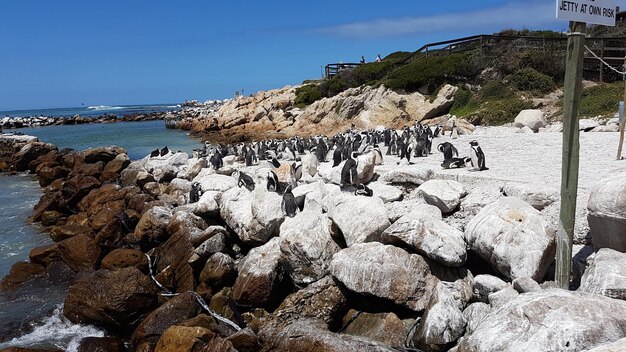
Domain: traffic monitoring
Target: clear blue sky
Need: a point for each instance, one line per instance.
(62, 53)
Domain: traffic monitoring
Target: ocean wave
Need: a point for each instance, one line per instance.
(56, 330)
(104, 107)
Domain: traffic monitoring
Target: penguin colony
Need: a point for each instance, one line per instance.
(287, 167)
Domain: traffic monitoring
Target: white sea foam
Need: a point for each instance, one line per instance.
(104, 107)
(56, 330)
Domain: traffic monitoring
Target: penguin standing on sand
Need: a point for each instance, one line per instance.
(349, 175)
(477, 157)
(288, 204)
(448, 150)
(195, 193)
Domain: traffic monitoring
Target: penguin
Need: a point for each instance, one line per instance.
(363, 190)
(477, 157)
(288, 204)
(250, 156)
(455, 131)
(274, 162)
(448, 150)
(455, 163)
(337, 155)
(272, 182)
(349, 173)
(296, 170)
(195, 192)
(321, 151)
(245, 180)
(437, 131)
(154, 153)
(378, 156)
(165, 151)
(216, 160)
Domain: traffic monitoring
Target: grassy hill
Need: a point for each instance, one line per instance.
(494, 84)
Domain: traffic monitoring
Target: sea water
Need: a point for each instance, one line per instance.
(32, 315)
(92, 111)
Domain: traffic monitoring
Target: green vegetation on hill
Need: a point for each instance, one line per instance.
(601, 100)
(496, 83)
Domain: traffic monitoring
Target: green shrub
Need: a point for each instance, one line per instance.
(495, 90)
(306, 95)
(601, 100)
(433, 72)
(529, 80)
(397, 57)
(498, 112)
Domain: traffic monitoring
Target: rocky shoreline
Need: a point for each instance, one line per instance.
(427, 263)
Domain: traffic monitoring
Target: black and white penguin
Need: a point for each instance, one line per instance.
(288, 204)
(216, 160)
(164, 151)
(195, 193)
(448, 150)
(378, 155)
(244, 180)
(363, 190)
(250, 156)
(349, 175)
(321, 151)
(154, 153)
(455, 163)
(272, 182)
(477, 157)
(337, 155)
(274, 162)
(437, 131)
(296, 170)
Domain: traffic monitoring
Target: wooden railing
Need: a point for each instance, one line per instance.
(332, 70)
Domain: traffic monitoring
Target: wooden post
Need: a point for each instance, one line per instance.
(569, 170)
(600, 62)
(623, 122)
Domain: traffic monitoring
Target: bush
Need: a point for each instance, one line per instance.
(433, 72)
(495, 90)
(601, 100)
(306, 95)
(529, 80)
(499, 112)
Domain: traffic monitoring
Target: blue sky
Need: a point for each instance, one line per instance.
(63, 53)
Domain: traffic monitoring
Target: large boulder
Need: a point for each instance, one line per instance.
(513, 237)
(81, 253)
(444, 194)
(429, 236)
(479, 197)
(184, 339)
(104, 154)
(443, 322)
(531, 118)
(152, 226)
(386, 272)
(408, 174)
(607, 211)
(605, 274)
(215, 182)
(386, 328)
(258, 277)
(550, 320)
(116, 300)
(615, 346)
(539, 196)
(385, 192)
(236, 211)
(485, 284)
(360, 219)
(266, 209)
(307, 246)
(176, 310)
(124, 257)
(304, 335)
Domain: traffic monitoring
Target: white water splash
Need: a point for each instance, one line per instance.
(55, 331)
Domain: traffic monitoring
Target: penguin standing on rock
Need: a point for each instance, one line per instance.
(288, 204)
(244, 179)
(154, 153)
(165, 151)
(272, 182)
(195, 193)
(349, 175)
(216, 160)
(477, 157)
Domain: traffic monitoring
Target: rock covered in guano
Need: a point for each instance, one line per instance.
(385, 271)
(607, 211)
(360, 219)
(444, 194)
(307, 246)
(605, 274)
(513, 237)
